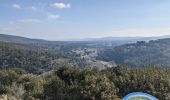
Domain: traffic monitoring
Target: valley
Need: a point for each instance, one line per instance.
(86, 70)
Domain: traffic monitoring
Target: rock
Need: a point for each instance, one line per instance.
(3, 97)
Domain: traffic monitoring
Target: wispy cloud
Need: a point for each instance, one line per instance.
(60, 5)
(52, 16)
(36, 21)
(30, 20)
(46, 16)
(33, 8)
(16, 6)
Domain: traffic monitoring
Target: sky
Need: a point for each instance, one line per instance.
(78, 19)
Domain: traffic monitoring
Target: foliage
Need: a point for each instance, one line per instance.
(152, 53)
(68, 83)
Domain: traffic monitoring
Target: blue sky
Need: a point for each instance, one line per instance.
(76, 19)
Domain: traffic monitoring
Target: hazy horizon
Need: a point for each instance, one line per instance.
(97, 38)
(78, 19)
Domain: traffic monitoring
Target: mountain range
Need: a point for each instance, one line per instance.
(19, 39)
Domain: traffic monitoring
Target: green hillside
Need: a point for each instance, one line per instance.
(156, 53)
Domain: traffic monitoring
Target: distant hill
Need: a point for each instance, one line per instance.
(38, 55)
(18, 39)
(154, 52)
(73, 43)
(127, 39)
(117, 41)
(88, 42)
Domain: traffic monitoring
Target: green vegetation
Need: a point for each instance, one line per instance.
(37, 58)
(57, 71)
(68, 83)
(24, 56)
(154, 52)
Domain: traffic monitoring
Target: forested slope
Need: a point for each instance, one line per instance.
(38, 58)
(24, 56)
(142, 53)
(68, 83)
